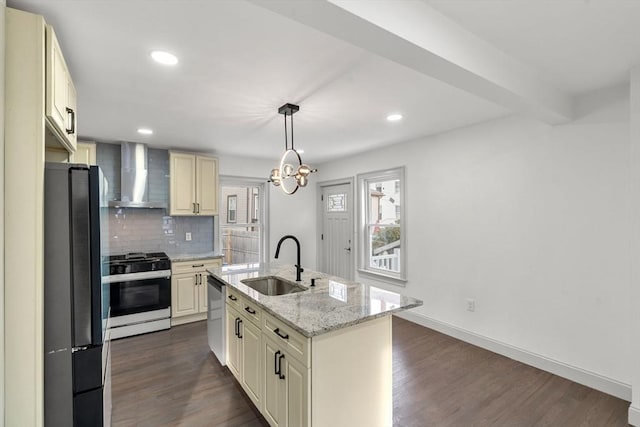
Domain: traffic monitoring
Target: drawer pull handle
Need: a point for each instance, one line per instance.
(277, 332)
(249, 310)
(232, 298)
(280, 374)
(276, 370)
(196, 266)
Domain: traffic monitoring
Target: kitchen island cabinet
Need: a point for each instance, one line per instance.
(326, 352)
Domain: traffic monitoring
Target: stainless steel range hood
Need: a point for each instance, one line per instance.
(134, 173)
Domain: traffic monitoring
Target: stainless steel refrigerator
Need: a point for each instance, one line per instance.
(76, 363)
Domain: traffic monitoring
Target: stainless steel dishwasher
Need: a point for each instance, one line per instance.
(216, 294)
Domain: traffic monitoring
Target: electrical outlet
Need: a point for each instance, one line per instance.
(187, 237)
(471, 304)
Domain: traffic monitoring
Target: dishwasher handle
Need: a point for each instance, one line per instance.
(215, 282)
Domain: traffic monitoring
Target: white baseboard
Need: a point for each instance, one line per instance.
(634, 416)
(578, 375)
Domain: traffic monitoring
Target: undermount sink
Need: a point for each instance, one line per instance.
(273, 286)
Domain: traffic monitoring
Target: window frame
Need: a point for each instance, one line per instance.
(234, 198)
(364, 210)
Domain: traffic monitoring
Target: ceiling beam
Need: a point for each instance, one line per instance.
(413, 34)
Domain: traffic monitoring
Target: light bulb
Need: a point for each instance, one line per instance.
(302, 180)
(288, 170)
(275, 177)
(304, 170)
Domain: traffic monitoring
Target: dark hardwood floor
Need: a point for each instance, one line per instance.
(170, 378)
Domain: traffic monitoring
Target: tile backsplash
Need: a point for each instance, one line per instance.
(150, 230)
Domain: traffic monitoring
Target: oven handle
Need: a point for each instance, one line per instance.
(117, 278)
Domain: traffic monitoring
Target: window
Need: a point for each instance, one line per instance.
(242, 225)
(232, 208)
(382, 224)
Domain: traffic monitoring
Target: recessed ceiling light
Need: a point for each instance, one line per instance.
(394, 117)
(145, 131)
(164, 58)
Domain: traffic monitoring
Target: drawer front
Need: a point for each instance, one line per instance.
(186, 267)
(251, 311)
(209, 263)
(234, 299)
(296, 344)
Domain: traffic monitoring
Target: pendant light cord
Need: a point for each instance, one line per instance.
(292, 133)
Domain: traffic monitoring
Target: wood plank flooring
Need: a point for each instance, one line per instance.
(170, 378)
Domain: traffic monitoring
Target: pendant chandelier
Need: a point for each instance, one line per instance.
(292, 173)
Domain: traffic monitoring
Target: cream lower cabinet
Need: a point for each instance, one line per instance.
(244, 359)
(189, 290)
(286, 387)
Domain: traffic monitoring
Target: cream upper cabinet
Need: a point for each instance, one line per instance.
(85, 153)
(207, 185)
(194, 184)
(189, 290)
(61, 98)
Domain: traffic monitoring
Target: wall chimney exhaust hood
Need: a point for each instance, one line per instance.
(134, 178)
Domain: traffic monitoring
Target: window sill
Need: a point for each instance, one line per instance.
(387, 278)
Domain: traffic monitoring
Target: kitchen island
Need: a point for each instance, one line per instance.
(318, 357)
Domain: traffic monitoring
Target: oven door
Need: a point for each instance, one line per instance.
(138, 296)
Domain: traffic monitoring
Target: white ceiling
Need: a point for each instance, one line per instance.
(577, 45)
(239, 62)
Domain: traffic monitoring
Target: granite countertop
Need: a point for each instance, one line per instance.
(334, 303)
(193, 257)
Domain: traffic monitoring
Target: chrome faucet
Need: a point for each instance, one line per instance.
(299, 268)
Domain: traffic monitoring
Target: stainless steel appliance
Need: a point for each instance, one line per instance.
(216, 294)
(76, 357)
(140, 292)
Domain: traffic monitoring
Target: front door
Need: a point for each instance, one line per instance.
(337, 230)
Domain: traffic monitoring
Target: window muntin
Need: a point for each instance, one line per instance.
(382, 223)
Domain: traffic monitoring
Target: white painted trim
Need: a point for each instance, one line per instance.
(573, 373)
(634, 416)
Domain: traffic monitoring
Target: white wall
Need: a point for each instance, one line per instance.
(530, 220)
(634, 235)
(2, 9)
(288, 214)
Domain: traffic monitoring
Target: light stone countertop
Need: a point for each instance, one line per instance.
(193, 257)
(334, 303)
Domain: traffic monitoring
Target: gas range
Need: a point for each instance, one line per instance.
(139, 291)
(136, 266)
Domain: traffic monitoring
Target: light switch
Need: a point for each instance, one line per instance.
(187, 237)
